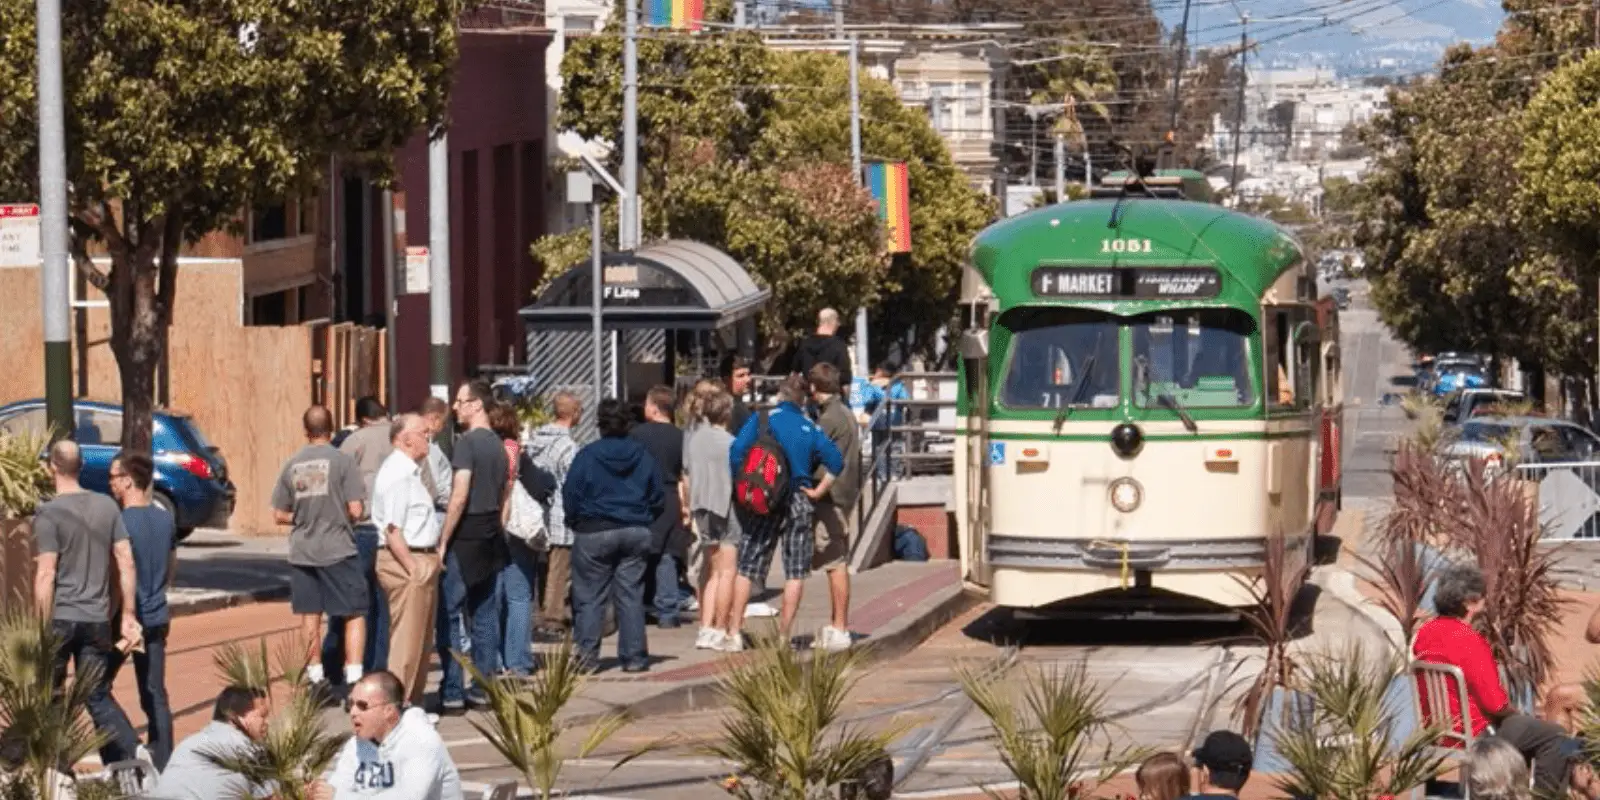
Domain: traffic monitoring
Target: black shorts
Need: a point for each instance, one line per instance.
(339, 590)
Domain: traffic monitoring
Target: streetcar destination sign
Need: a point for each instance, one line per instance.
(1143, 283)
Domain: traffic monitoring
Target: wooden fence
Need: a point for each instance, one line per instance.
(347, 364)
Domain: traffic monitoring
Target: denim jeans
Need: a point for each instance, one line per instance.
(665, 601)
(150, 668)
(520, 584)
(376, 655)
(483, 622)
(451, 633)
(91, 645)
(609, 566)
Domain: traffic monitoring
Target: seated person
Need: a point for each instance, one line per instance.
(395, 752)
(1495, 771)
(1224, 761)
(1450, 639)
(238, 722)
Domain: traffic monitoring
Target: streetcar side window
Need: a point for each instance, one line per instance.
(1059, 358)
(1278, 373)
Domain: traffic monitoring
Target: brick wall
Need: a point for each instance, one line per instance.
(935, 525)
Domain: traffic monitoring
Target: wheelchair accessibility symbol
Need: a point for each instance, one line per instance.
(997, 454)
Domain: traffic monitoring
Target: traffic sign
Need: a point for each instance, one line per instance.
(417, 277)
(19, 235)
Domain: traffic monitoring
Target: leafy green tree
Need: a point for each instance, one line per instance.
(748, 149)
(180, 113)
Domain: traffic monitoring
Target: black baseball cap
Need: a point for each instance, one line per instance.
(1225, 753)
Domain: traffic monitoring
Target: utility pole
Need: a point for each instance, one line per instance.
(53, 266)
(1238, 113)
(439, 267)
(1177, 68)
(597, 279)
(628, 229)
(391, 309)
(1061, 168)
(862, 365)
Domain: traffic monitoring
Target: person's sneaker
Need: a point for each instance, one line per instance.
(709, 639)
(832, 639)
(760, 610)
(668, 623)
(433, 719)
(733, 643)
(690, 604)
(143, 754)
(453, 707)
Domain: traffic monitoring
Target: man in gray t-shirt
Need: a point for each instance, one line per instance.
(77, 535)
(320, 494)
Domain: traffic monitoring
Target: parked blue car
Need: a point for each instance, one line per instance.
(191, 479)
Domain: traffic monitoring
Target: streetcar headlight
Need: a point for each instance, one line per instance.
(1126, 494)
(1127, 440)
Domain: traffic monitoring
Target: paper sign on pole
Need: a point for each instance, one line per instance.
(19, 235)
(417, 278)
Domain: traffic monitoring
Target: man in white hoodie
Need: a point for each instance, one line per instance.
(395, 753)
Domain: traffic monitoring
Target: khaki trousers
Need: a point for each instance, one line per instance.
(557, 585)
(411, 617)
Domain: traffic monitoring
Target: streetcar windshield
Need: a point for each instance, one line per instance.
(1194, 358)
(1061, 357)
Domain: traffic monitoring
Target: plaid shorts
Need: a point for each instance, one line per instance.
(762, 534)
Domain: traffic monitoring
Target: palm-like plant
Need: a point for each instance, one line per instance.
(24, 482)
(1347, 748)
(45, 730)
(1271, 615)
(297, 750)
(524, 722)
(1050, 727)
(782, 729)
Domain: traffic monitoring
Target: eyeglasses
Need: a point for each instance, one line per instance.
(116, 475)
(363, 705)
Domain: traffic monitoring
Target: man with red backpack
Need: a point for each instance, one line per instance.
(773, 458)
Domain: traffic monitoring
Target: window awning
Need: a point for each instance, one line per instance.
(677, 284)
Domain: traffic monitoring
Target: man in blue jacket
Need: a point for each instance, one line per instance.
(806, 448)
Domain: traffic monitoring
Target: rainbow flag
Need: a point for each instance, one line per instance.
(687, 14)
(890, 183)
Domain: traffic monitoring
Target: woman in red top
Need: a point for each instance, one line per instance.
(1450, 639)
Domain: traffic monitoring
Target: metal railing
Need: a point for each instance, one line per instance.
(1569, 498)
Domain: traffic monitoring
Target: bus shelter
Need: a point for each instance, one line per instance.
(670, 310)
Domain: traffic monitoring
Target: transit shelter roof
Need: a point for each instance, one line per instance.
(672, 284)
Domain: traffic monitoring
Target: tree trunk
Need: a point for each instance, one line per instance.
(143, 275)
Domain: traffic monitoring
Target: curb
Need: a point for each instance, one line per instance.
(224, 600)
(700, 694)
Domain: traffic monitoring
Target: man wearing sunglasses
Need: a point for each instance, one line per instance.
(395, 752)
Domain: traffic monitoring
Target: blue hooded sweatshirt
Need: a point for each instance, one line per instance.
(612, 483)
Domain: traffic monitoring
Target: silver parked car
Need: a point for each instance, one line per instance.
(1539, 440)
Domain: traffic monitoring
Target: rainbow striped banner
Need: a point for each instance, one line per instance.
(890, 183)
(687, 14)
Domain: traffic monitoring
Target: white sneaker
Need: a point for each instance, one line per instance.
(690, 605)
(433, 719)
(709, 639)
(143, 754)
(760, 610)
(832, 639)
(733, 643)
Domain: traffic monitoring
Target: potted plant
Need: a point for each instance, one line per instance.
(1051, 729)
(43, 732)
(24, 484)
(1269, 701)
(297, 750)
(781, 731)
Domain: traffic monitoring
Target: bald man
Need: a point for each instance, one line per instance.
(320, 495)
(825, 347)
(79, 533)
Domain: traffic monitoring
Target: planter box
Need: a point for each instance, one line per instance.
(16, 562)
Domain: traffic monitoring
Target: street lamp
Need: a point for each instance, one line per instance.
(580, 191)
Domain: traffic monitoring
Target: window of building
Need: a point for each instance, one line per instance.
(269, 223)
(972, 107)
(270, 309)
(579, 24)
(305, 214)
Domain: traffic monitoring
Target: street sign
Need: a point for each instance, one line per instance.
(19, 235)
(417, 278)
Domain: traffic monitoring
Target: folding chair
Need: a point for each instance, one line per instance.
(504, 790)
(132, 777)
(1438, 683)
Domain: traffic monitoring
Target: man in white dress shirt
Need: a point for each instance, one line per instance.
(403, 509)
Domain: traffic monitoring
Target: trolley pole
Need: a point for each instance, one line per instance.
(53, 264)
(628, 229)
(1177, 68)
(1238, 113)
(1061, 168)
(439, 267)
(863, 365)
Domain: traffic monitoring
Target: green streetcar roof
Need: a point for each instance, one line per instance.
(1249, 252)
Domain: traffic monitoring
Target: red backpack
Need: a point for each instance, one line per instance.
(762, 484)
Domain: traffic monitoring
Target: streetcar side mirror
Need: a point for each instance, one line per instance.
(975, 345)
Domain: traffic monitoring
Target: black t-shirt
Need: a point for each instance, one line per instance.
(741, 412)
(665, 444)
(483, 453)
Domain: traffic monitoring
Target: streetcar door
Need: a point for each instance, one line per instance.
(975, 362)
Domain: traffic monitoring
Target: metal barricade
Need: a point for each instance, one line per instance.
(1569, 498)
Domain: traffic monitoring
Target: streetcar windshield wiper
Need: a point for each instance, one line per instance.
(1083, 383)
(1171, 401)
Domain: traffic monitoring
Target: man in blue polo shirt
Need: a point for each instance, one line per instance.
(807, 448)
